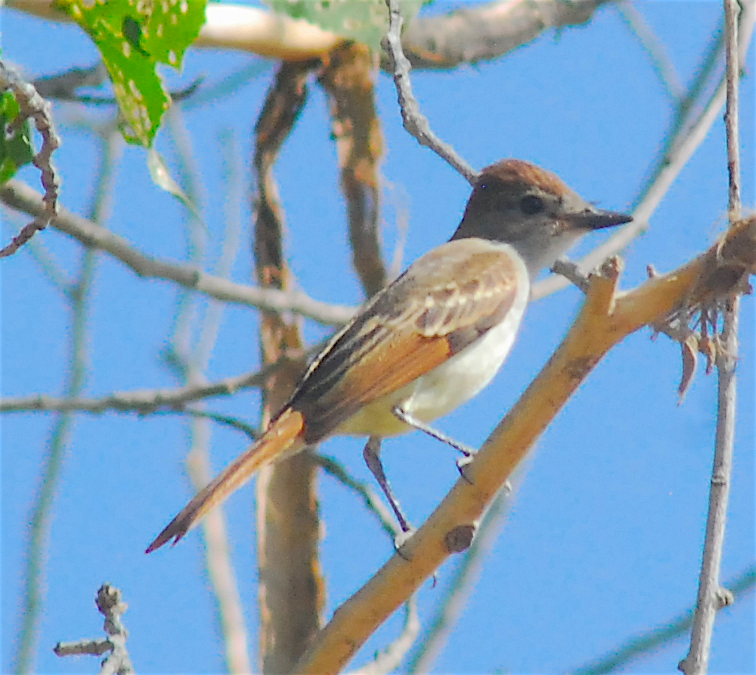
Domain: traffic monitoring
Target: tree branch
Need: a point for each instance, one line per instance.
(467, 35)
(347, 79)
(146, 401)
(110, 604)
(606, 318)
(711, 596)
(291, 591)
(20, 196)
(414, 121)
(670, 166)
(32, 106)
(668, 630)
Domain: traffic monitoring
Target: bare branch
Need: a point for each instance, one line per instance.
(63, 86)
(32, 106)
(606, 318)
(110, 604)
(711, 597)
(347, 79)
(389, 659)
(670, 629)
(20, 196)
(467, 35)
(369, 496)
(486, 31)
(414, 121)
(292, 585)
(654, 47)
(671, 165)
(146, 401)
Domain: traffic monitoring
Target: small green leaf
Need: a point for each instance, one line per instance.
(133, 36)
(161, 176)
(361, 20)
(16, 150)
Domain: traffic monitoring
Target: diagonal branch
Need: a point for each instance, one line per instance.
(414, 121)
(619, 657)
(20, 196)
(606, 318)
(669, 166)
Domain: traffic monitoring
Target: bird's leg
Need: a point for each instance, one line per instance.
(372, 455)
(466, 450)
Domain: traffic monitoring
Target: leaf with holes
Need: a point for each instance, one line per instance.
(361, 20)
(133, 36)
(16, 148)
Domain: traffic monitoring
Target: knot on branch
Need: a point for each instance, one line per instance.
(459, 538)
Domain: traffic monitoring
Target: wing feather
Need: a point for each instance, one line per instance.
(441, 304)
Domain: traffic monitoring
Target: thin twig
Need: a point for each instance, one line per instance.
(414, 121)
(62, 86)
(32, 106)
(45, 260)
(654, 47)
(252, 433)
(20, 196)
(39, 528)
(192, 356)
(110, 604)
(387, 660)
(619, 657)
(711, 596)
(670, 166)
(145, 401)
(370, 497)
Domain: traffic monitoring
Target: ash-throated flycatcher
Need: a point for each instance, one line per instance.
(431, 339)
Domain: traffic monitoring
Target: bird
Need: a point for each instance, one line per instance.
(431, 339)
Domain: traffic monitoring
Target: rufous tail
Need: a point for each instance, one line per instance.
(282, 437)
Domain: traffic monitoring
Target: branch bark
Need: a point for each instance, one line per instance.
(467, 35)
(20, 196)
(291, 588)
(347, 81)
(606, 318)
(711, 596)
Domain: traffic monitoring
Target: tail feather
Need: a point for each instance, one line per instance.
(282, 438)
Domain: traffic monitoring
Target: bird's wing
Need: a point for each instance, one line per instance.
(440, 305)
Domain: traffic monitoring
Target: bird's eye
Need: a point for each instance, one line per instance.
(531, 204)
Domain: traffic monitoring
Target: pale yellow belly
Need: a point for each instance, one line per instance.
(445, 387)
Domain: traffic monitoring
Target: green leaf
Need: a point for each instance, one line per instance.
(361, 20)
(16, 150)
(133, 37)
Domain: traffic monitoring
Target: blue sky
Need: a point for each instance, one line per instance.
(603, 538)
